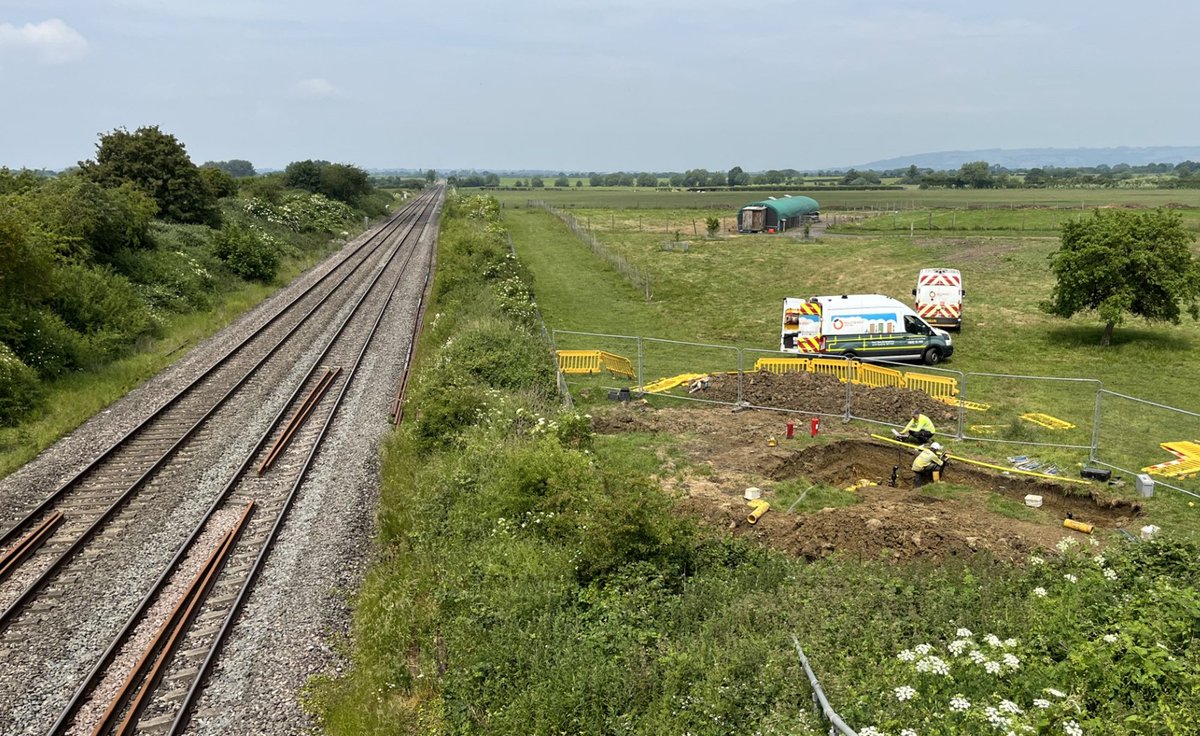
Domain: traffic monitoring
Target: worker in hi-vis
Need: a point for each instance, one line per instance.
(918, 431)
(928, 465)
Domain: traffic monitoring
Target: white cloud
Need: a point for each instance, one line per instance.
(51, 41)
(316, 88)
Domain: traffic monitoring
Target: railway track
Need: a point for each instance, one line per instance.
(114, 500)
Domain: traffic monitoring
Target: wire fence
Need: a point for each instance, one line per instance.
(638, 277)
(1075, 418)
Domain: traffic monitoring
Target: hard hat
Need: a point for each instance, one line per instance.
(935, 446)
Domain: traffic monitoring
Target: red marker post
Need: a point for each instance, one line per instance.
(791, 429)
(814, 427)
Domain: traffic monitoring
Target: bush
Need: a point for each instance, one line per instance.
(44, 342)
(246, 253)
(102, 306)
(498, 354)
(19, 387)
(173, 280)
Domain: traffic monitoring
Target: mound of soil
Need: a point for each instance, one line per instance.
(822, 394)
(727, 451)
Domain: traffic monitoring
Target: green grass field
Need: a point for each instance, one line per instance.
(727, 291)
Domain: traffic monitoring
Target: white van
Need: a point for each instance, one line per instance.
(861, 326)
(938, 297)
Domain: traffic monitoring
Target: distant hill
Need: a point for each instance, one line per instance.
(1024, 158)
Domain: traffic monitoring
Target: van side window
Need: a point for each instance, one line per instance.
(914, 326)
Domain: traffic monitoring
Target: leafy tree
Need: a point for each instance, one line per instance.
(712, 224)
(269, 187)
(431, 176)
(158, 164)
(220, 183)
(237, 168)
(736, 177)
(977, 175)
(562, 181)
(579, 182)
(1120, 263)
(537, 182)
(304, 175)
(596, 180)
(647, 179)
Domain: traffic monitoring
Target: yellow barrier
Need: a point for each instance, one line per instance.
(1047, 421)
(1186, 465)
(666, 384)
(879, 377)
(579, 361)
(843, 370)
(935, 386)
(782, 365)
(617, 364)
(588, 362)
(955, 401)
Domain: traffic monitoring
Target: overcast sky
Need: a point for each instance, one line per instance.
(581, 85)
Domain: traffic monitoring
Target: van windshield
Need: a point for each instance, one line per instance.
(914, 326)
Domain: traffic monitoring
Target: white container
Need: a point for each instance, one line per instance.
(1033, 501)
(1144, 485)
(752, 493)
(1149, 531)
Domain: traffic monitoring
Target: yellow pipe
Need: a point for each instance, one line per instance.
(758, 507)
(989, 465)
(1079, 526)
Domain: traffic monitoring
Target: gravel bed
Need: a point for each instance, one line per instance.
(302, 598)
(32, 694)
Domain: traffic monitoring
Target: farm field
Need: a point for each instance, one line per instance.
(727, 291)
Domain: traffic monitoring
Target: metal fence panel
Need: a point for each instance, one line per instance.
(1041, 411)
(1131, 433)
(595, 361)
(690, 371)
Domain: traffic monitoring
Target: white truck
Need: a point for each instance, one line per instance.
(938, 297)
(861, 326)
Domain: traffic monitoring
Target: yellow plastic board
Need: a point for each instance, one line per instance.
(1047, 421)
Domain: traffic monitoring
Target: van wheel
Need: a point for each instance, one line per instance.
(932, 356)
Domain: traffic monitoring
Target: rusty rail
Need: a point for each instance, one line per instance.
(28, 544)
(131, 698)
(310, 402)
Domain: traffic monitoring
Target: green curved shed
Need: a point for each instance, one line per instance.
(780, 214)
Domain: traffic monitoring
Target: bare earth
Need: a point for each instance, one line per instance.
(896, 523)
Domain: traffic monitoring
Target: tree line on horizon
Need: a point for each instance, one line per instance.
(971, 175)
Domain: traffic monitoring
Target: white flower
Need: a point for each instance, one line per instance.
(963, 633)
(1110, 573)
(958, 646)
(958, 704)
(1071, 728)
(870, 731)
(1056, 693)
(1035, 560)
(996, 718)
(907, 732)
(906, 656)
(1099, 560)
(1070, 578)
(1010, 642)
(1065, 544)
(1041, 703)
(1011, 661)
(993, 640)
(936, 665)
(923, 649)
(904, 692)
(1008, 706)
(1092, 541)
(1110, 638)
(977, 656)
(1040, 592)
(992, 667)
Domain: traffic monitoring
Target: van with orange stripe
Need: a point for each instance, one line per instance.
(938, 297)
(861, 326)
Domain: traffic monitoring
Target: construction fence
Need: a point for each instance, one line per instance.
(1068, 418)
